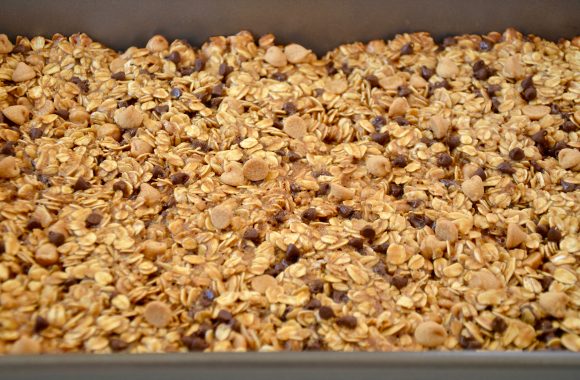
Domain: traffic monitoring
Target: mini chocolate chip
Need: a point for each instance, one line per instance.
(33, 224)
(313, 304)
(289, 108)
(295, 188)
(44, 179)
(381, 270)
(481, 173)
(448, 182)
(554, 235)
(542, 229)
(417, 221)
(348, 321)
(185, 71)
(194, 343)
(407, 49)
(280, 77)
(444, 160)
(293, 156)
(161, 109)
(546, 282)
(346, 69)
(400, 161)
(20, 49)
(480, 70)
(517, 154)
(40, 324)
(83, 85)
(373, 80)
(207, 297)
(396, 190)
(529, 93)
(381, 248)
(426, 72)
(469, 343)
(280, 216)
(506, 168)
(485, 45)
(174, 57)
(568, 126)
(323, 189)
(56, 238)
(218, 90)
(93, 219)
(449, 41)
(81, 184)
(344, 211)
(215, 102)
(225, 69)
(35, 133)
(339, 296)
(401, 121)
(426, 141)
(498, 325)
(157, 172)
(252, 235)
(492, 89)
(119, 75)
(555, 109)
(8, 148)
(381, 138)
(121, 186)
(292, 253)
(568, 187)
(453, 141)
(309, 214)
(537, 167)
(224, 316)
(356, 243)
(527, 82)
(403, 91)
(179, 178)
(540, 137)
(399, 282)
(2, 247)
(117, 344)
(325, 312)
(200, 144)
(175, 93)
(368, 232)
(378, 122)
(199, 64)
(495, 104)
(316, 286)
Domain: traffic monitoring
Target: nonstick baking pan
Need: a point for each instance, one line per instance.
(320, 25)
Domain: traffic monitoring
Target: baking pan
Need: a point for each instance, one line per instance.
(320, 25)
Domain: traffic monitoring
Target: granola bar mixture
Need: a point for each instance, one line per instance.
(395, 195)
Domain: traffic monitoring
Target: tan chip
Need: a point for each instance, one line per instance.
(296, 53)
(340, 192)
(446, 68)
(108, 130)
(221, 216)
(233, 174)
(430, 334)
(396, 254)
(46, 255)
(23, 72)
(432, 247)
(150, 195)
(17, 114)
(399, 107)
(473, 188)
(157, 313)
(255, 169)
(157, 43)
(295, 127)
(513, 68)
(275, 57)
(140, 147)
(378, 166)
(129, 118)
(515, 236)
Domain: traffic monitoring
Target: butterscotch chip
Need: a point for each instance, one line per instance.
(157, 43)
(263, 283)
(446, 230)
(221, 216)
(430, 334)
(17, 114)
(46, 255)
(9, 167)
(446, 68)
(157, 313)
(378, 166)
(255, 169)
(554, 303)
(569, 159)
(295, 126)
(515, 236)
(129, 118)
(23, 72)
(473, 188)
(5, 44)
(26, 346)
(275, 57)
(296, 53)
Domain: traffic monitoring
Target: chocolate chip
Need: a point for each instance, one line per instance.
(199, 64)
(381, 248)
(2, 247)
(418, 221)
(542, 229)
(348, 321)
(444, 160)
(546, 281)
(201, 145)
(81, 184)
(174, 57)
(554, 235)
(568, 187)
(175, 93)
(292, 253)
(20, 49)
(316, 286)
(495, 104)
(401, 121)
(117, 344)
(93, 219)
(568, 126)
(448, 182)
(481, 173)
(381, 270)
(373, 80)
(161, 109)
(356, 243)
(313, 304)
(492, 89)
(378, 122)
(527, 82)
(207, 297)
(218, 90)
(293, 156)
(323, 189)
(252, 235)
(469, 343)
(346, 69)
(529, 94)
(40, 324)
(121, 186)
(56, 238)
(224, 69)
(381, 138)
(179, 178)
(325, 312)
(485, 45)
(480, 70)
(426, 72)
(399, 282)
(368, 232)
(119, 75)
(345, 211)
(400, 161)
(280, 77)
(83, 85)
(403, 91)
(280, 216)
(449, 41)
(453, 141)
(407, 49)
(157, 172)
(188, 70)
(33, 224)
(289, 108)
(309, 214)
(537, 167)
(506, 168)
(396, 190)
(224, 316)
(540, 137)
(498, 325)
(517, 154)
(8, 149)
(194, 343)
(35, 133)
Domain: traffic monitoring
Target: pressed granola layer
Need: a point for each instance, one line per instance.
(395, 195)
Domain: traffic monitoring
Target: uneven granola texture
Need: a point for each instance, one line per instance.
(398, 195)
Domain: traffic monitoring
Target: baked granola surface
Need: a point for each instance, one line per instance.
(395, 195)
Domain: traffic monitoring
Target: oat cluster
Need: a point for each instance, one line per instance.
(395, 195)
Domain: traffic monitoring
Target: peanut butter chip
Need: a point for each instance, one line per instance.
(23, 72)
(295, 127)
(233, 174)
(17, 114)
(535, 112)
(378, 166)
(430, 334)
(221, 216)
(296, 53)
(275, 57)
(399, 107)
(5, 44)
(569, 159)
(25, 345)
(129, 117)
(446, 230)
(439, 126)
(157, 43)
(446, 68)
(263, 282)
(46, 255)
(484, 279)
(255, 169)
(9, 167)
(157, 313)
(515, 236)
(554, 303)
(473, 188)
(396, 254)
